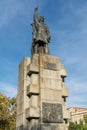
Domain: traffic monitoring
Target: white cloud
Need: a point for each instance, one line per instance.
(75, 101)
(8, 89)
(17, 9)
(77, 93)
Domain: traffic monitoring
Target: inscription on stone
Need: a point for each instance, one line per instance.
(51, 66)
(52, 113)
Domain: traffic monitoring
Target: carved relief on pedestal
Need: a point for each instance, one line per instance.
(52, 112)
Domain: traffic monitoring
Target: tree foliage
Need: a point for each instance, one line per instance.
(81, 126)
(85, 122)
(85, 118)
(7, 113)
(74, 126)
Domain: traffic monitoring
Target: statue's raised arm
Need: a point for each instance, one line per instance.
(40, 28)
(41, 34)
(36, 19)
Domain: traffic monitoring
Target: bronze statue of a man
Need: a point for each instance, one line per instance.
(40, 33)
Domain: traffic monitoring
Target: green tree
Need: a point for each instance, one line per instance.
(74, 126)
(71, 126)
(85, 118)
(81, 126)
(7, 113)
(85, 122)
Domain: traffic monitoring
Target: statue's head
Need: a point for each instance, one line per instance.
(41, 19)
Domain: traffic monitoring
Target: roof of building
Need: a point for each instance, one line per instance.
(76, 109)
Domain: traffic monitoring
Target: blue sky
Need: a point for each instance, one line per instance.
(67, 20)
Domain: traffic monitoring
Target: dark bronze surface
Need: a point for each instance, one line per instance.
(51, 66)
(40, 34)
(52, 113)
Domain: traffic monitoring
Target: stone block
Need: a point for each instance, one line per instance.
(32, 113)
(26, 102)
(35, 59)
(23, 69)
(22, 75)
(50, 62)
(22, 86)
(20, 108)
(32, 68)
(51, 95)
(32, 89)
(20, 97)
(27, 80)
(66, 114)
(19, 120)
(34, 124)
(34, 79)
(34, 101)
(63, 72)
(52, 127)
(50, 83)
(19, 127)
(50, 74)
(65, 92)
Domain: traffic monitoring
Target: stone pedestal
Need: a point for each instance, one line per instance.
(41, 100)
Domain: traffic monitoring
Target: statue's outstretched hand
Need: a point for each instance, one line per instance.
(36, 9)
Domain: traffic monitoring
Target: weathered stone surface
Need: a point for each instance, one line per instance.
(52, 112)
(32, 89)
(32, 68)
(34, 79)
(49, 74)
(51, 59)
(32, 113)
(50, 83)
(51, 95)
(41, 95)
(33, 124)
(65, 92)
(22, 99)
(63, 71)
(34, 101)
(66, 114)
(20, 108)
(19, 120)
(20, 127)
(23, 69)
(50, 66)
(52, 127)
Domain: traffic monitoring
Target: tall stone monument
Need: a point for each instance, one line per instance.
(41, 98)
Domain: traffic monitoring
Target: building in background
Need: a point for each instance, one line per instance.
(77, 114)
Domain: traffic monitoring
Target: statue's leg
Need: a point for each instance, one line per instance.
(41, 49)
(46, 48)
(32, 49)
(36, 48)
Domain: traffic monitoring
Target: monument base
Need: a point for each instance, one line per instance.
(53, 127)
(41, 103)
